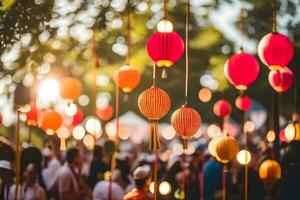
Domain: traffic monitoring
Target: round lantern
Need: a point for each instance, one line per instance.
(186, 122)
(282, 136)
(222, 108)
(50, 121)
(32, 115)
(127, 78)
(243, 103)
(70, 88)
(292, 131)
(226, 149)
(241, 69)
(281, 80)
(165, 48)
(154, 103)
(269, 172)
(243, 157)
(275, 50)
(105, 113)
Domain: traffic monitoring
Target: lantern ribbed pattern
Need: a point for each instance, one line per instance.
(269, 172)
(275, 50)
(127, 78)
(165, 48)
(243, 103)
(32, 115)
(50, 121)
(281, 80)
(222, 108)
(154, 103)
(186, 121)
(226, 149)
(241, 69)
(70, 88)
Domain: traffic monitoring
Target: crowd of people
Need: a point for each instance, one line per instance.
(78, 174)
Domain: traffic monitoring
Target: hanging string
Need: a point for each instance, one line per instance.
(183, 175)
(165, 9)
(155, 166)
(154, 74)
(225, 169)
(242, 29)
(187, 23)
(117, 111)
(128, 33)
(274, 23)
(17, 156)
(246, 156)
(202, 177)
(94, 88)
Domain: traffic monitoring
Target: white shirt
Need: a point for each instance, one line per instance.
(35, 192)
(50, 172)
(66, 180)
(101, 191)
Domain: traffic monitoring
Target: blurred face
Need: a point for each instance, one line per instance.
(30, 175)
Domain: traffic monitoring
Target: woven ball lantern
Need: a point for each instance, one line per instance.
(281, 80)
(269, 172)
(186, 121)
(154, 103)
(127, 78)
(243, 103)
(241, 69)
(222, 108)
(50, 121)
(32, 115)
(105, 113)
(70, 88)
(275, 50)
(226, 149)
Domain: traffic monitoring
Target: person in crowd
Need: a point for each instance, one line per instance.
(141, 176)
(29, 189)
(69, 184)
(51, 166)
(109, 189)
(98, 167)
(7, 178)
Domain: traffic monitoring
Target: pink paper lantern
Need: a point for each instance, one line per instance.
(281, 80)
(222, 108)
(243, 103)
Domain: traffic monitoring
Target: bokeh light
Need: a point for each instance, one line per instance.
(249, 126)
(205, 95)
(290, 132)
(213, 131)
(243, 157)
(164, 188)
(49, 90)
(165, 26)
(70, 109)
(270, 136)
(177, 149)
(78, 132)
(168, 132)
(93, 126)
(151, 187)
(88, 141)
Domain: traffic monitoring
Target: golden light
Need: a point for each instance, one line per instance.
(124, 132)
(243, 157)
(25, 109)
(50, 132)
(63, 132)
(111, 129)
(177, 149)
(205, 95)
(49, 90)
(249, 126)
(168, 132)
(212, 146)
(290, 132)
(70, 109)
(151, 187)
(271, 136)
(93, 126)
(165, 26)
(88, 141)
(164, 188)
(78, 132)
(213, 131)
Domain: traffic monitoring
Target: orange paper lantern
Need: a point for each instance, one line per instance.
(50, 121)
(270, 172)
(154, 103)
(70, 88)
(186, 122)
(105, 113)
(127, 78)
(226, 149)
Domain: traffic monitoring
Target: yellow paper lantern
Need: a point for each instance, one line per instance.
(243, 157)
(270, 172)
(226, 149)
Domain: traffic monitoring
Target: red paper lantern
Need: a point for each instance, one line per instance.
(186, 122)
(222, 108)
(127, 78)
(275, 50)
(241, 70)
(165, 48)
(32, 115)
(105, 113)
(281, 80)
(243, 103)
(50, 121)
(78, 117)
(154, 103)
(70, 88)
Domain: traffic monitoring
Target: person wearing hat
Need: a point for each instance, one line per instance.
(7, 178)
(141, 176)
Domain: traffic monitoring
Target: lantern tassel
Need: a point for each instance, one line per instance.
(63, 144)
(154, 143)
(185, 143)
(164, 74)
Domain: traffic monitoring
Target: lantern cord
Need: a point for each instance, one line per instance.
(274, 23)
(155, 173)
(94, 89)
(128, 33)
(183, 175)
(165, 9)
(225, 169)
(154, 143)
(242, 29)
(117, 110)
(246, 157)
(154, 74)
(187, 49)
(17, 155)
(202, 177)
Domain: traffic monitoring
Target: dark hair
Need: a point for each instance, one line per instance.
(140, 183)
(71, 154)
(98, 150)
